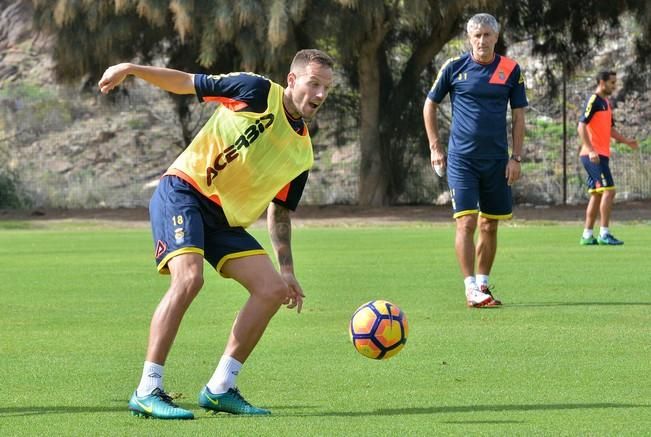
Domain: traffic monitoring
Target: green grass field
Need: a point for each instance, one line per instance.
(568, 354)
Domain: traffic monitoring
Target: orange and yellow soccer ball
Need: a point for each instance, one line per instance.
(378, 329)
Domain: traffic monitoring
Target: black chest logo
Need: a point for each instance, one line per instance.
(250, 135)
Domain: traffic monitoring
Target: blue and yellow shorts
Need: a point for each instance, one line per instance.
(479, 186)
(185, 221)
(599, 177)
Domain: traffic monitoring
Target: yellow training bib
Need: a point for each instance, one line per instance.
(241, 160)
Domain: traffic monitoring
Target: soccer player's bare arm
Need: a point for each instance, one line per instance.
(280, 231)
(513, 169)
(631, 142)
(174, 81)
(518, 130)
(437, 154)
(430, 111)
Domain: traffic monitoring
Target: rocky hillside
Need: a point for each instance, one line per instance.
(73, 149)
(78, 149)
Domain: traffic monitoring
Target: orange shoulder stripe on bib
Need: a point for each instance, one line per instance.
(503, 71)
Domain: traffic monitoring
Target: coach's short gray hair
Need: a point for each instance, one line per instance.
(479, 20)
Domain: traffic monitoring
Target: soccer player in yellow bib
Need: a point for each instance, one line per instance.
(253, 154)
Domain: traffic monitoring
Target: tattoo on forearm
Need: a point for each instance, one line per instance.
(281, 233)
(285, 259)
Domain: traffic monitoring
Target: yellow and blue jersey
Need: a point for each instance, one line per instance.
(250, 152)
(480, 95)
(597, 115)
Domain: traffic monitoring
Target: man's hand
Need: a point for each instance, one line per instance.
(438, 160)
(112, 77)
(593, 156)
(513, 171)
(295, 293)
(632, 143)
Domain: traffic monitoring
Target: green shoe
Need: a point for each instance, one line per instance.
(592, 241)
(229, 402)
(609, 240)
(158, 405)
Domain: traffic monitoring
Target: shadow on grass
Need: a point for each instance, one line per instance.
(474, 409)
(587, 304)
(15, 226)
(117, 406)
(33, 411)
(30, 411)
(481, 422)
(120, 407)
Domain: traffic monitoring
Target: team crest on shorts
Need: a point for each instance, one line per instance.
(161, 247)
(179, 235)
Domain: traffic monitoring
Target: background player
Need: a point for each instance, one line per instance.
(481, 85)
(596, 127)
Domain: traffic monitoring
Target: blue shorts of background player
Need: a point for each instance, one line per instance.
(599, 177)
(184, 221)
(479, 186)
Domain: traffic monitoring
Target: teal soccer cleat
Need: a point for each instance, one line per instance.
(230, 402)
(609, 240)
(157, 405)
(592, 241)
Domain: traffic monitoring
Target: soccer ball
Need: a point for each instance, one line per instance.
(378, 329)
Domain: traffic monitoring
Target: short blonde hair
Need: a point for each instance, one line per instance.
(305, 56)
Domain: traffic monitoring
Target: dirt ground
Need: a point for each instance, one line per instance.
(346, 215)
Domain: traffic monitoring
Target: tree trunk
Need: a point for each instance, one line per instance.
(181, 105)
(372, 181)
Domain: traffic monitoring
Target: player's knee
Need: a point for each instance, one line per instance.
(466, 224)
(188, 283)
(274, 293)
(488, 226)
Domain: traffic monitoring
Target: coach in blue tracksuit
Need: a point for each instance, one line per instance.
(481, 84)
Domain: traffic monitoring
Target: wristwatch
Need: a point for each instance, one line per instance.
(516, 158)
